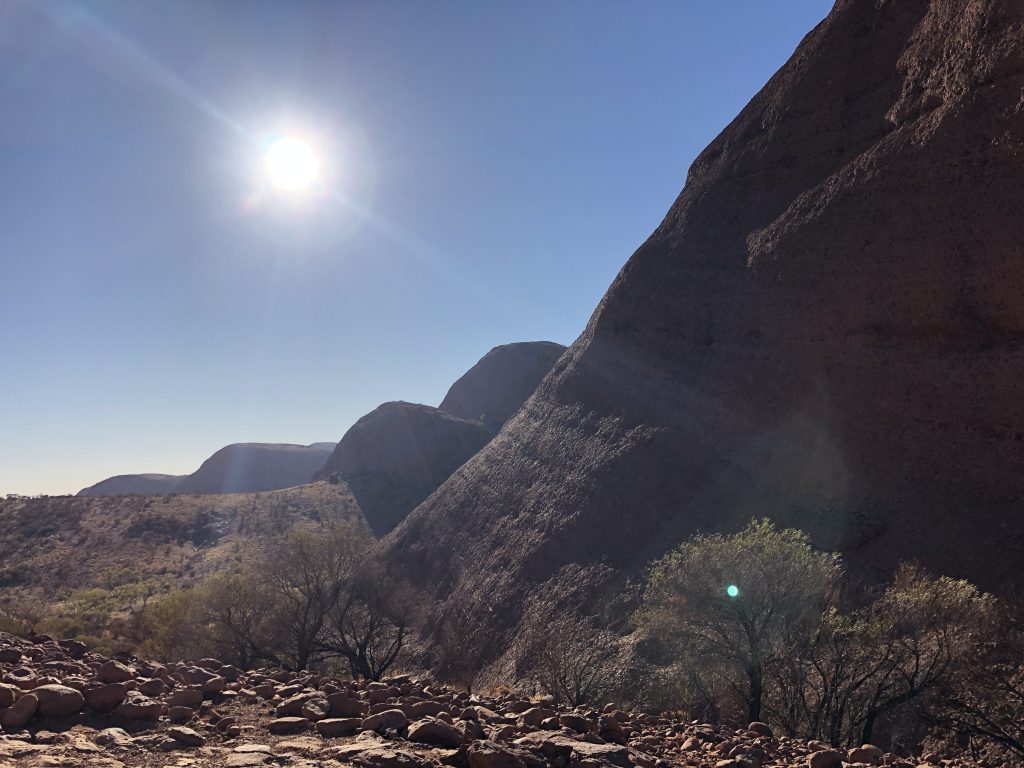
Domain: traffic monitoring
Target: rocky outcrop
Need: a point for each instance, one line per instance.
(498, 385)
(123, 485)
(396, 456)
(251, 467)
(827, 329)
(47, 721)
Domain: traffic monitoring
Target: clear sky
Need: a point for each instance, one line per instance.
(485, 170)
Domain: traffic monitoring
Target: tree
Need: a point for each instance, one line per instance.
(368, 622)
(864, 663)
(739, 602)
(465, 645)
(923, 628)
(237, 613)
(307, 574)
(572, 658)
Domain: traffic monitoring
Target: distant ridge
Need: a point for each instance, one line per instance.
(122, 485)
(236, 468)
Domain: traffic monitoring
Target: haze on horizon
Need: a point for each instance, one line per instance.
(486, 170)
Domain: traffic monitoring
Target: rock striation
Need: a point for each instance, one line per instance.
(827, 328)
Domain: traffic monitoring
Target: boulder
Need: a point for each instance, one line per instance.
(114, 672)
(488, 754)
(285, 725)
(386, 757)
(16, 717)
(866, 753)
(334, 727)
(344, 705)
(58, 700)
(388, 720)
(8, 693)
(186, 736)
(576, 723)
(825, 758)
(104, 698)
(435, 732)
(138, 707)
(180, 714)
(316, 708)
(185, 697)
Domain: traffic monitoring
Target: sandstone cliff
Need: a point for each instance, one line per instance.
(827, 328)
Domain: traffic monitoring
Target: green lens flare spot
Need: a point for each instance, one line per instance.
(732, 590)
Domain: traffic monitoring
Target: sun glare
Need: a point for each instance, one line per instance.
(292, 165)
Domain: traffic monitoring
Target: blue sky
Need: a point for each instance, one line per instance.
(487, 167)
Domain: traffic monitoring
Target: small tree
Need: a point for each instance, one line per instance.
(238, 613)
(307, 574)
(572, 658)
(739, 602)
(464, 646)
(924, 628)
(368, 623)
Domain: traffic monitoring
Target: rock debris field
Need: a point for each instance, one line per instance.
(62, 705)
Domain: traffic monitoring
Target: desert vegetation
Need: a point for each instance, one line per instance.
(311, 597)
(756, 626)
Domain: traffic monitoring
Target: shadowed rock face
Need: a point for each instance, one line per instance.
(250, 467)
(120, 485)
(827, 328)
(497, 386)
(397, 455)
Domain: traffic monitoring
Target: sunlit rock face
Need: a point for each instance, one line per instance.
(827, 329)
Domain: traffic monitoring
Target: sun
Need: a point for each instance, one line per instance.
(292, 165)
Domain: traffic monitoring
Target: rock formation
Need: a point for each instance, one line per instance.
(396, 456)
(497, 386)
(122, 485)
(827, 329)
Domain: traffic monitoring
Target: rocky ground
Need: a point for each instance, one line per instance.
(62, 705)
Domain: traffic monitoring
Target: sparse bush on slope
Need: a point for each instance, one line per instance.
(756, 622)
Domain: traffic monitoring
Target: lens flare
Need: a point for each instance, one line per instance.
(732, 590)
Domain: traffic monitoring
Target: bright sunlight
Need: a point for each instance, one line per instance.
(292, 165)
